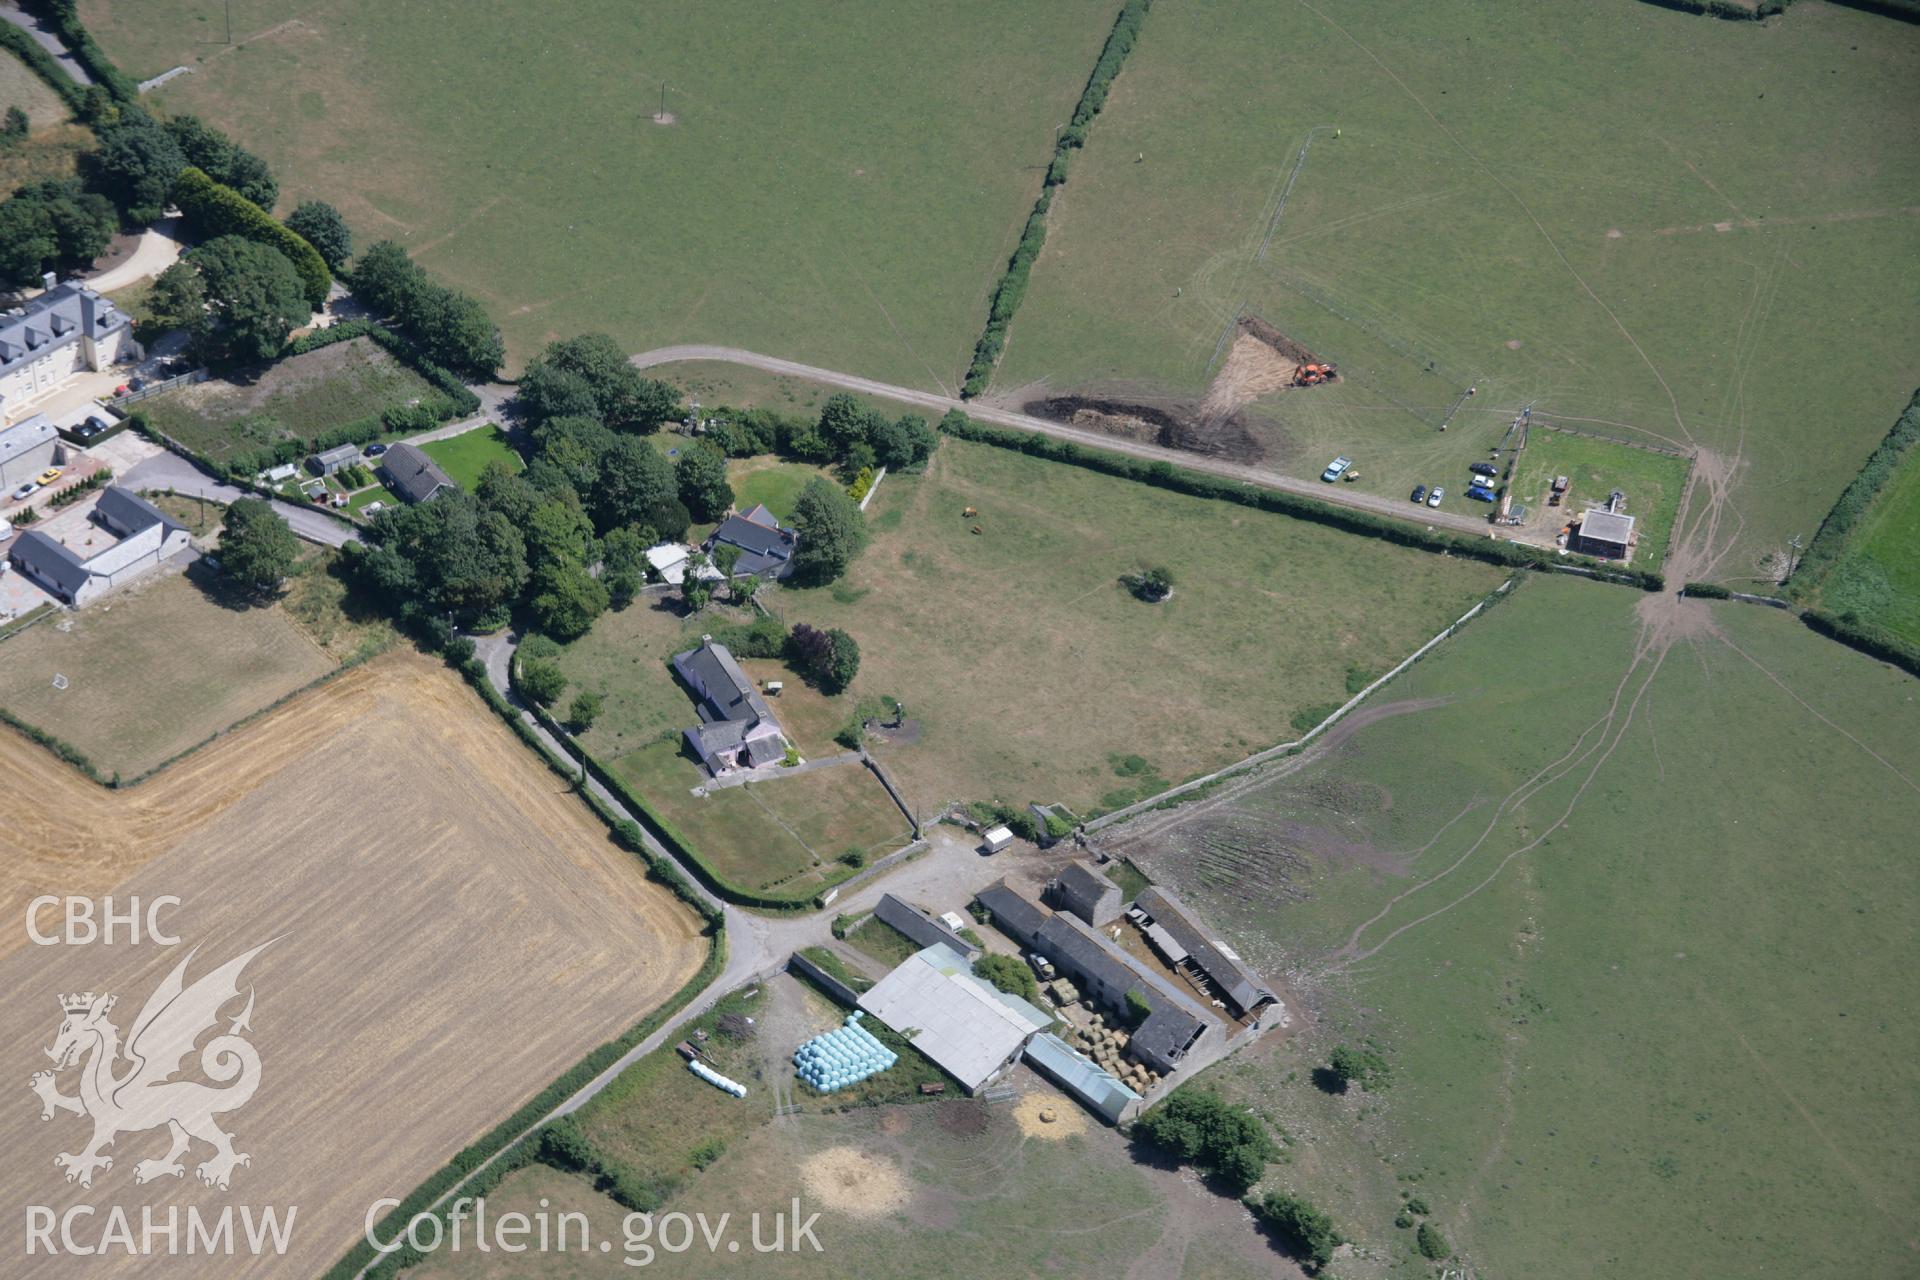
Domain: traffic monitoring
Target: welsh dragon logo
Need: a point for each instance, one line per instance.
(131, 1089)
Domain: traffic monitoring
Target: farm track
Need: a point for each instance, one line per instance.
(1258, 476)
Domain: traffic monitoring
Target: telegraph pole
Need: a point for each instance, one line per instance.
(229, 21)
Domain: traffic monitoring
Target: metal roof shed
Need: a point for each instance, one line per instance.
(964, 1025)
(1088, 1083)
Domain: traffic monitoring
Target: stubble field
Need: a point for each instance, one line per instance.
(452, 930)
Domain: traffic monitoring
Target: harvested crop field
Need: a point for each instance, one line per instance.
(154, 670)
(453, 929)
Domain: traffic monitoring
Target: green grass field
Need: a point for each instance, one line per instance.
(1646, 1017)
(296, 398)
(464, 457)
(794, 210)
(1629, 216)
(20, 87)
(1653, 483)
(1879, 577)
(1034, 674)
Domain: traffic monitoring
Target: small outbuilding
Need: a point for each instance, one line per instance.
(1604, 533)
(1081, 889)
(328, 461)
(994, 839)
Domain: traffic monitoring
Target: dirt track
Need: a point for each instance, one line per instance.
(454, 930)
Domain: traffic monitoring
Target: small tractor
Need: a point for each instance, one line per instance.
(1312, 375)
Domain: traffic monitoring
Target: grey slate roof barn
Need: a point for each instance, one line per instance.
(412, 474)
(920, 926)
(1236, 984)
(1081, 889)
(26, 449)
(738, 729)
(144, 538)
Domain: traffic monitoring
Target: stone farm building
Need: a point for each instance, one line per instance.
(1081, 889)
(143, 538)
(65, 330)
(737, 729)
(1175, 934)
(1105, 975)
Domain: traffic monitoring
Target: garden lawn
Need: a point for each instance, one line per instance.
(1667, 897)
(769, 482)
(297, 398)
(782, 837)
(1878, 579)
(465, 456)
(1031, 672)
(1627, 216)
(849, 203)
(1653, 483)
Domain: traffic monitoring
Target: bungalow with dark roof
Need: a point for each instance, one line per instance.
(145, 538)
(409, 472)
(738, 729)
(766, 549)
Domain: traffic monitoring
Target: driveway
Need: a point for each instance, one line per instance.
(171, 471)
(158, 248)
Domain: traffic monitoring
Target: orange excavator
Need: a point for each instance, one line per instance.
(1312, 375)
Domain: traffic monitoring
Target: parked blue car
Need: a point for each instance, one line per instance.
(1480, 493)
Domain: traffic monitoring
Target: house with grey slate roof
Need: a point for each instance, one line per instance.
(738, 729)
(65, 330)
(144, 539)
(409, 472)
(1081, 889)
(766, 549)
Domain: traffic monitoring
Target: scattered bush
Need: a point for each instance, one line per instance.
(1303, 1231)
(584, 711)
(1706, 591)
(541, 680)
(1365, 1067)
(1431, 1243)
(1226, 1141)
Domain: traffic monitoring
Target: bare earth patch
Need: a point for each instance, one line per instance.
(858, 1185)
(1049, 1117)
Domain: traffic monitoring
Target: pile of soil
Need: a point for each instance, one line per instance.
(1176, 425)
(964, 1119)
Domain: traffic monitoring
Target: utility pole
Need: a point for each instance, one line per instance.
(229, 21)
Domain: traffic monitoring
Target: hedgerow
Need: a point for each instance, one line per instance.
(1165, 475)
(41, 63)
(1013, 281)
(214, 210)
(1829, 543)
(64, 18)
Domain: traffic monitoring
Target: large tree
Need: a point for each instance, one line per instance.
(447, 556)
(224, 160)
(257, 549)
(51, 224)
(904, 443)
(321, 225)
(623, 399)
(831, 531)
(702, 475)
(636, 485)
(179, 301)
(136, 164)
(254, 296)
(566, 599)
(449, 326)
